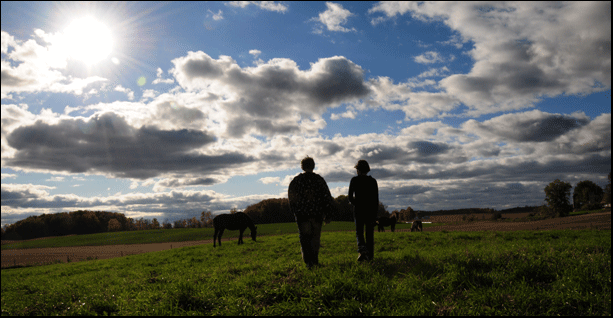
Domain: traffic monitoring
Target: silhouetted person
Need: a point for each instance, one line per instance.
(310, 201)
(364, 196)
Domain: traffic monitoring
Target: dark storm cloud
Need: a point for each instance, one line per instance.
(107, 143)
(413, 152)
(178, 114)
(426, 148)
(534, 126)
(175, 183)
(337, 79)
(504, 169)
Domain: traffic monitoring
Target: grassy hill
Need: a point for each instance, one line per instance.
(430, 273)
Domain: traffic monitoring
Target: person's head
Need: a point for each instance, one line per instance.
(362, 167)
(307, 164)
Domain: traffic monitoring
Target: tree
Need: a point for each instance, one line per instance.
(382, 211)
(178, 224)
(155, 224)
(344, 210)
(114, 225)
(206, 218)
(587, 196)
(557, 195)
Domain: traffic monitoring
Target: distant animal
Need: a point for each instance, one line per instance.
(417, 226)
(237, 221)
(383, 221)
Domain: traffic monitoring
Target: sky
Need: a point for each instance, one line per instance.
(167, 109)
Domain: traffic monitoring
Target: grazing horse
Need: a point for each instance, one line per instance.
(417, 226)
(237, 221)
(382, 222)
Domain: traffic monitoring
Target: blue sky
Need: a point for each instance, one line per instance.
(167, 109)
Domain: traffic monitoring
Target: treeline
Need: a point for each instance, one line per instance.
(78, 222)
(90, 222)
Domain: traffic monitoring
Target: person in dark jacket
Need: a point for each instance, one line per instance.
(364, 196)
(310, 201)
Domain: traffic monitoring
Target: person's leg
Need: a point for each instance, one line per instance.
(370, 238)
(316, 241)
(305, 232)
(359, 233)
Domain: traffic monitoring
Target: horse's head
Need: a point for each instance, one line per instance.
(253, 233)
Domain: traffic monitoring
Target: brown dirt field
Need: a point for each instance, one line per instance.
(10, 258)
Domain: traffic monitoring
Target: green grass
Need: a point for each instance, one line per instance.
(487, 273)
(582, 212)
(174, 235)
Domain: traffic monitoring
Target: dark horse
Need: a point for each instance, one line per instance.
(237, 221)
(417, 226)
(382, 222)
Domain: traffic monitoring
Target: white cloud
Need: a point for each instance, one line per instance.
(523, 51)
(216, 16)
(127, 91)
(428, 58)
(274, 97)
(255, 53)
(334, 17)
(264, 5)
(160, 80)
(434, 72)
(269, 180)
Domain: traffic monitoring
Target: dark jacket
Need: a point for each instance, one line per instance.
(364, 196)
(309, 197)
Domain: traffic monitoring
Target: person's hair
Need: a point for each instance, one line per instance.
(307, 164)
(363, 166)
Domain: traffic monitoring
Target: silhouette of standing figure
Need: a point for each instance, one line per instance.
(310, 201)
(364, 196)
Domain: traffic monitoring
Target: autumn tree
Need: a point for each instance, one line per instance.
(206, 218)
(587, 196)
(178, 224)
(166, 224)
(155, 224)
(114, 225)
(557, 195)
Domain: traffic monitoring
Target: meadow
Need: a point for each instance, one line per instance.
(175, 235)
(561, 272)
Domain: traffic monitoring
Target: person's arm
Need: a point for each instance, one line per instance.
(328, 197)
(351, 193)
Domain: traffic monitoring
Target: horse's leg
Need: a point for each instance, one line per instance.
(240, 236)
(393, 227)
(219, 237)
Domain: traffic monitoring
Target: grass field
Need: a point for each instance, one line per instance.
(174, 235)
(502, 273)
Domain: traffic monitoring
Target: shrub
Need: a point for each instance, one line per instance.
(496, 215)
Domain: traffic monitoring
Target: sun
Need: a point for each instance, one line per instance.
(88, 40)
